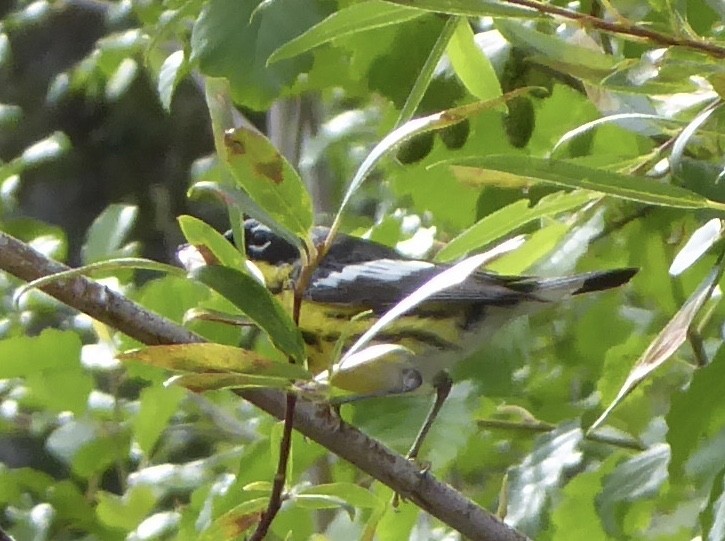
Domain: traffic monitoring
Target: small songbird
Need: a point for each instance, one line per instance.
(358, 280)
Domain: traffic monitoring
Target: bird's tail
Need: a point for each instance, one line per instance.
(555, 288)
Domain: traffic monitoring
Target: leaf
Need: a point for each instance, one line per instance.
(498, 224)
(236, 521)
(269, 179)
(235, 197)
(198, 383)
(171, 73)
(712, 517)
(556, 48)
(697, 245)
(351, 493)
(470, 8)
(208, 357)
(666, 344)
(678, 148)
(227, 42)
(472, 66)
(198, 233)
(358, 17)
(594, 124)
(697, 414)
(252, 298)
(571, 175)
(157, 406)
(24, 355)
(108, 232)
(543, 469)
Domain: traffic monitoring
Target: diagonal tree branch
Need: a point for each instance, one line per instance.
(371, 456)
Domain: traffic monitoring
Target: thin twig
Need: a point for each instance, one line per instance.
(653, 36)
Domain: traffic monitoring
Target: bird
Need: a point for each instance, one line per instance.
(358, 280)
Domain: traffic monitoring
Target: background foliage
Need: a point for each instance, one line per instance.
(105, 112)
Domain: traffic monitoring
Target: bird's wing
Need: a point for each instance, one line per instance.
(381, 283)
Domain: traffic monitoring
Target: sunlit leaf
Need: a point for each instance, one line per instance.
(108, 232)
(252, 298)
(470, 63)
(208, 357)
(358, 17)
(666, 344)
(697, 245)
(498, 224)
(215, 381)
(201, 234)
(171, 73)
(269, 179)
(571, 175)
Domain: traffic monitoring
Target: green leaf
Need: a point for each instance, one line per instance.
(697, 245)
(215, 381)
(171, 73)
(498, 224)
(199, 233)
(472, 66)
(556, 48)
(236, 521)
(696, 414)
(157, 406)
(269, 179)
(470, 8)
(207, 357)
(358, 17)
(351, 493)
(108, 232)
(228, 42)
(127, 511)
(712, 517)
(255, 301)
(571, 175)
(52, 349)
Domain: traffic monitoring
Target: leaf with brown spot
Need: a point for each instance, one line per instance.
(253, 162)
(236, 521)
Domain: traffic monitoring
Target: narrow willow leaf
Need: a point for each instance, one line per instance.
(252, 298)
(500, 223)
(666, 344)
(572, 175)
(472, 66)
(697, 245)
(358, 17)
(594, 124)
(678, 148)
(203, 358)
(471, 8)
(199, 233)
(214, 381)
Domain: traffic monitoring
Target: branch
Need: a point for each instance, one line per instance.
(626, 29)
(369, 455)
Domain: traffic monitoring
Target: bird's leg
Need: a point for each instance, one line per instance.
(442, 385)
